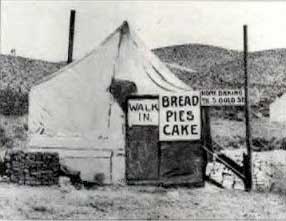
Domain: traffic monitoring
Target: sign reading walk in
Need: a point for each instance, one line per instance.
(223, 97)
(180, 117)
(143, 112)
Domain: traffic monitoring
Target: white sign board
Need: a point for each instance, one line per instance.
(180, 117)
(222, 97)
(143, 112)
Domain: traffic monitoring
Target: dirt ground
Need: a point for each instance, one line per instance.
(134, 202)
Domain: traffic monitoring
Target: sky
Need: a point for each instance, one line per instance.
(39, 28)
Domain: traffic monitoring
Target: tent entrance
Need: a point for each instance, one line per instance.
(150, 161)
(142, 138)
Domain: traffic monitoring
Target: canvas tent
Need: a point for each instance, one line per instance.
(277, 109)
(79, 110)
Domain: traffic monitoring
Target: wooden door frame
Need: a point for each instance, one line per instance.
(138, 97)
(205, 139)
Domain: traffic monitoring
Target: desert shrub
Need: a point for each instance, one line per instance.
(266, 144)
(283, 143)
(278, 182)
(3, 138)
(19, 133)
(260, 144)
(13, 102)
(5, 141)
(228, 112)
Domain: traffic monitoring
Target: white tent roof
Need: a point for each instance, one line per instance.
(75, 103)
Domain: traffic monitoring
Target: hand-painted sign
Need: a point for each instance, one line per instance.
(143, 112)
(180, 117)
(222, 97)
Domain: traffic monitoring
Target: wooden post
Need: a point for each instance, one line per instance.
(71, 36)
(206, 130)
(248, 158)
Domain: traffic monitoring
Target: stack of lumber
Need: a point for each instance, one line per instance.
(33, 168)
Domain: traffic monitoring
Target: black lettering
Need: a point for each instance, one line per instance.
(174, 101)
(165, 101)
(205, 101)
(175, 130)
(181, 101)
(147, 108)
(181, 115)
(132, 107)
(184, 130)
(175, 116)
(188, 101)
(195, 100)
(140, 107)
(146, 117)
(190, 116)
(169, 114)
(155, 107)
(194, 129)
(165, 129)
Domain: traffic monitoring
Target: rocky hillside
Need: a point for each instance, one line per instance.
(201, 66)
(196, 56)
(21, 73)
(17, 75)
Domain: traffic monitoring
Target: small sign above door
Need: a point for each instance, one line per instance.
(223, 97)
(143, 112)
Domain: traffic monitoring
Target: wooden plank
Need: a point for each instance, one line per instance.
(231, 165)
(181, 162)
(206, 132)
(142, 153)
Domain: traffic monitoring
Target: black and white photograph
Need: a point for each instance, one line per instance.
(142, 110)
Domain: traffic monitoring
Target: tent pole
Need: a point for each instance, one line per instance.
(247, 159)
(71, 36)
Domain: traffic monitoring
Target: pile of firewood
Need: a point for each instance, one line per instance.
(32, 168)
